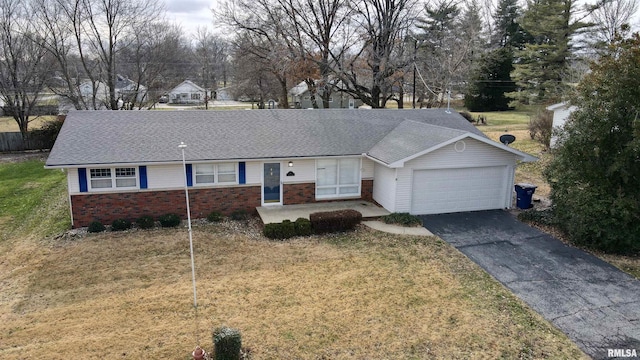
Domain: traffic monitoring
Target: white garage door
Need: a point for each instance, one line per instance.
(455, 190)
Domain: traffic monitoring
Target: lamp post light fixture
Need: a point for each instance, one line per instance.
(183, 146)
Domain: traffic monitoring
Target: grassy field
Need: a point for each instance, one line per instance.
(8, 124)
(516, 123)
(362, 295)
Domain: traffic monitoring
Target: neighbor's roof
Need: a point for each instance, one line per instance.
(123, 137)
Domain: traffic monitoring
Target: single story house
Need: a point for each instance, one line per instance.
(126, 164)
(561, 113)
(187, 92)
(301, 98)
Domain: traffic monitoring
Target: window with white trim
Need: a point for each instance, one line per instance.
(112, 178)
(208, 174)
(337, 178)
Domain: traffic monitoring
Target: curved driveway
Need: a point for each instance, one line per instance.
(594, 303)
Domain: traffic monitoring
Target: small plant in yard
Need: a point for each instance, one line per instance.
(169, 220)
(335, 221)
(288, 229)
(227, 343)
(303, 227)
(404, 219)
(96, 227)
(120, 225)
(214, 216)
(145, 222)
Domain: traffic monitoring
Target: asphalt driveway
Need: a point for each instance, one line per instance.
(594, 303)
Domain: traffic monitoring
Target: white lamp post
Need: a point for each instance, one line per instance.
(182, 146)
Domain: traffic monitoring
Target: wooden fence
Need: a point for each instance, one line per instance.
(12, 141)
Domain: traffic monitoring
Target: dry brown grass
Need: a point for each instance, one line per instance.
(8, 124)
(364, 295)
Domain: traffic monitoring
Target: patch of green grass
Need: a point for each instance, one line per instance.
(32, 199)
(404, 219)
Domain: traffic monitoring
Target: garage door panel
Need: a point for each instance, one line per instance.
(461, 189)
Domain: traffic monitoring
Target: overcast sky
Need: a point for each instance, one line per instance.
(191, 13)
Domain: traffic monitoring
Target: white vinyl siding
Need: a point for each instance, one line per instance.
(73, 184)
(367, 168)
(476, 154)
(165, 176)
(384, 187)
(253, 172)
(304, 170)
(337, 178)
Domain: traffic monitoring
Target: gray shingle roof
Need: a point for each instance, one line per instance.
(109, 137)
(409, 138)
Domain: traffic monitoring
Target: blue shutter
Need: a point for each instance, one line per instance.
(189, 175)
(242, 169)
(82, 179)
(143, 177)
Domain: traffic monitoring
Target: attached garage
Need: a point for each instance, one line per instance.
(437, 191)
(422, 169)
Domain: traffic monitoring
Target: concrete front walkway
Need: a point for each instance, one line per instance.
(278, 213)
(594, 303)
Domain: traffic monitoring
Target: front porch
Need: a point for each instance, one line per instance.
(276, 214)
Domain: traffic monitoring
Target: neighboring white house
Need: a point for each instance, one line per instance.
(301, 98)
(125, 90)
(187, 93)
(561, 113)
(127, 164)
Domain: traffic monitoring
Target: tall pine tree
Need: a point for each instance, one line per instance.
(490, 78)
(541, 65)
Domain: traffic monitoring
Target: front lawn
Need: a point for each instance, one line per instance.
(362, 295)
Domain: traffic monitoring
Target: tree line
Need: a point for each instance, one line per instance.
(374, 50)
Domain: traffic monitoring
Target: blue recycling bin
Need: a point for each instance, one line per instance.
(524, 194)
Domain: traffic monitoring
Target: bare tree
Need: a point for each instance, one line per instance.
(316, 29)
(610, 17)
(108, 23)
(211, 56)
(370, 72)
(262, 34)
(152, 61)
(23, 64)
(56, 21)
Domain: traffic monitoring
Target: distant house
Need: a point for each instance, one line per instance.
(417, 161)
(301, 98)
(224, 94)
(187, 93)
(561, 113)
(126, 90)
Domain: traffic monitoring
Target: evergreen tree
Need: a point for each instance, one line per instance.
(489, 82)
(508, 32)
(542, 63)
(594, 174)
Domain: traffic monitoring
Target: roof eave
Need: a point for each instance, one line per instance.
(524, 157)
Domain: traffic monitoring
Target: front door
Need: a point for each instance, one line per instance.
(271, 187)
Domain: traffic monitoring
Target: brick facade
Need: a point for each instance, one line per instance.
(305, 193)
(106, 207)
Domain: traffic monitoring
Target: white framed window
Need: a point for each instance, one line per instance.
(112, 178)
(195, 96)
(337, 178)
(209, 174)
